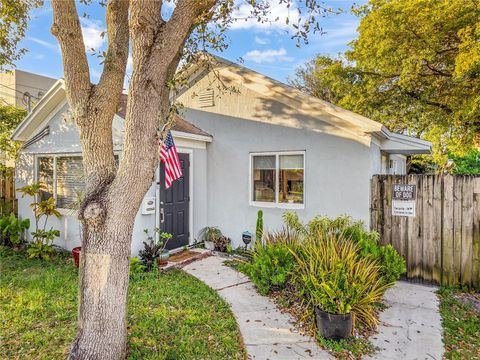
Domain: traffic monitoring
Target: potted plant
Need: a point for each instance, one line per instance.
(337, 282)
(154, 252)
(209, 235)
(74, 208)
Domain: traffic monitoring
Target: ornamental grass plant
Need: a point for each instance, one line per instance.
(331, 276)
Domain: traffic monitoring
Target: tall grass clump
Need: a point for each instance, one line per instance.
(332, 277)
(392, 264)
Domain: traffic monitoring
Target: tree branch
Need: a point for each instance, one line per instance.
(179, 27)
(416, 96)
(113, 75)
(66, 28)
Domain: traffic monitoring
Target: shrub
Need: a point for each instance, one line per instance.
(136, 266)
(153, 248)
(214, 234)
(12, 229)
(331, 276)
(41, 247)
(392, 265)
(271, 263)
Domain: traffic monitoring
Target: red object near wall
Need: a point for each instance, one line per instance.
(76, 255)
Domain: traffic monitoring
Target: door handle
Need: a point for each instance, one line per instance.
(162, 216)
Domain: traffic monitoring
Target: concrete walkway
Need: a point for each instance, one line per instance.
(267, 333)
(411, 327)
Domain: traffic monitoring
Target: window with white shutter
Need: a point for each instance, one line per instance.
(63, 179)
(70, 181)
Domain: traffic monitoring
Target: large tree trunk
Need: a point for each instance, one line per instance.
(102, 322)
(113, 196)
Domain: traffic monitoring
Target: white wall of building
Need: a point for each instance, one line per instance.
(63, 139)
(337, 173)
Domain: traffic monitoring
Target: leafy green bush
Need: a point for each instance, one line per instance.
(331, 276)
(136, 266)
(41, 247)
(152, 248)
(12, 229)
(270, 266)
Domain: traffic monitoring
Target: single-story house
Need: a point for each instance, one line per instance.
(246, 142)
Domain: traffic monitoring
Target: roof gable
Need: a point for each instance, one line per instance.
(260, 98)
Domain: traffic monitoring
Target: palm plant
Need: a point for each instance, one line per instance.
(41, 246)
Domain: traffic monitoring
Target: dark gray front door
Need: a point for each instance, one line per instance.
(174, 205)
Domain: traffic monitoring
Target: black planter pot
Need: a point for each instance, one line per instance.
(333, 326)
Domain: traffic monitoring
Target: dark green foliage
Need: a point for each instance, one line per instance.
(270, 266)
(214, 234)
(153, 248)
(259, 228)
(413, 67)
(149, 254)
(468, 164)
(392, 264)
(12, 229)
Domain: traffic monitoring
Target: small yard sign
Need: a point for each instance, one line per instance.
(403, 200)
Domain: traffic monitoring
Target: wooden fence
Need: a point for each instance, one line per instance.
(8, 202)
(441, 243)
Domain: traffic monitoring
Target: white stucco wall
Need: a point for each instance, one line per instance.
(337, 173)
(64, 139)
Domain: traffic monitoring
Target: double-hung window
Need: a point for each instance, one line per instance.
(63, 179)
(278, 179)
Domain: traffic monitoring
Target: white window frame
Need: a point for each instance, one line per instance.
(63, 211)
(277, 204)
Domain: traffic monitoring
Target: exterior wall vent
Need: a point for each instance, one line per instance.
(206, 98)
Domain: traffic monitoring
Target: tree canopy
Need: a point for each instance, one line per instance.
(14, 15)
(10, 117)
(415, 67)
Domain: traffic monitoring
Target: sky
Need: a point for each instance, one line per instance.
(266, 48)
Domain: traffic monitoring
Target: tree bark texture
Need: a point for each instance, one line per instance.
(113, 195)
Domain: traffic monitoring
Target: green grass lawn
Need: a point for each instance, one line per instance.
(461, 326)
(171, 315)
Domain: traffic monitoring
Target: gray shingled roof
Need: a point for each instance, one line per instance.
(181, 124)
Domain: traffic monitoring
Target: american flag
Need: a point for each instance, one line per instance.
(169, 156)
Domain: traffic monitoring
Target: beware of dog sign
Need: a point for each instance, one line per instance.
(404, 197)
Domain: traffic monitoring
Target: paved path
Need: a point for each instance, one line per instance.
(411, 327)
(267, 333)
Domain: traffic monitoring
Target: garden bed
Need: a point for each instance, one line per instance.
(171, 315)
(329, 274)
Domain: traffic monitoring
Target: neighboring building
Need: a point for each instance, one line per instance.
(22, 88)
(259, 145)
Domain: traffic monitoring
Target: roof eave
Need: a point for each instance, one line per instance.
(17, 134)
